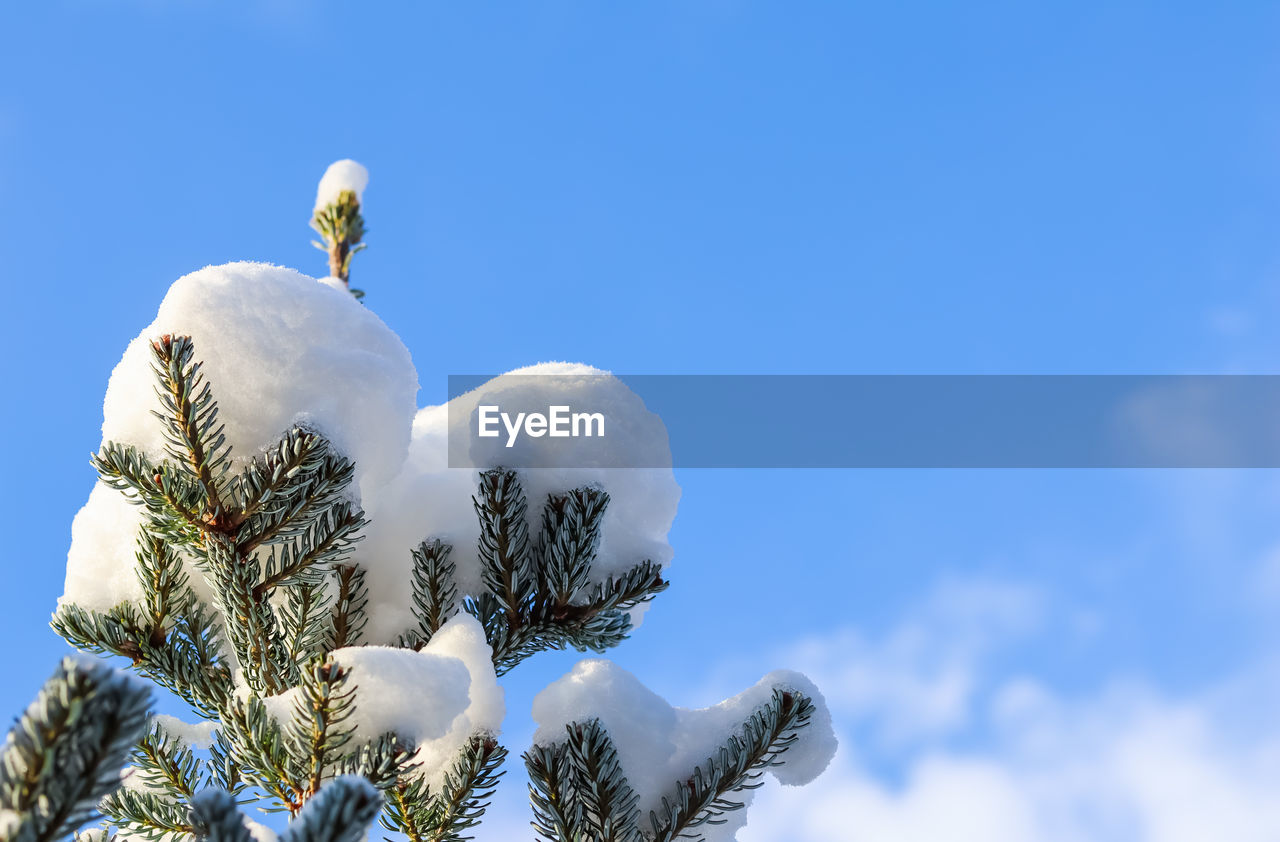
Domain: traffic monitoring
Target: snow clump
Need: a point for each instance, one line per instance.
(431, 500)
(341, 175)
(659, 745)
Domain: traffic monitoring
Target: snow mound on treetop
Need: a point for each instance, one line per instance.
(279, 350)
(341, 175)
(430, 500)
(659, 745)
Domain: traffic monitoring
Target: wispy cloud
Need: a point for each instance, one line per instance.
(919, 679)
(1004, 758)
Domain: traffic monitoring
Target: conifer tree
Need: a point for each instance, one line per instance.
(255, 611)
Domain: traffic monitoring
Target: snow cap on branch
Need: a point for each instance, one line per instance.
(415, 694)
(462, 638)
(198, 735)
(431, 500)
(341, 175)
(435, 698)
(659, 745)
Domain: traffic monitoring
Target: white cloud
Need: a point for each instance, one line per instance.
(1122, 766)
(1122, 763)
(920, 679)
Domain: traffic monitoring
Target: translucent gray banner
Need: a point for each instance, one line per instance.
(593, 420)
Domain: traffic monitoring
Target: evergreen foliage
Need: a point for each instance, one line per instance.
(579, 790)
(273, 539)
(65, 752)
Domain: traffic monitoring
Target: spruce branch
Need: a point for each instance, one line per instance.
(192, 430)
(327, 540)
(252, 740)
(348, 618)
(65, 752)
(435, 595)
(607, 804)
(319, 728)
(595, 625)
(467, 786)
(223, 767)
(215, 817)
(308, 491)
(555, 811)
(164, 584)
(147, 815)
(637, 585)
(173, 500)
(126, 469)
(303, 620)
(410, 810)
(736, 766)
(422, 816)
(270, 476)
(505, 555)
(188, 663)
(542, 598)
(381, 762)
(578, 789)
(155, 802)
(250, 620)
(166, 763)
(341, 812)
(341, 226)
(570, 535)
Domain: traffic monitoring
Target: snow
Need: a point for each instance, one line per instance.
(279, 349)
(640, 722)
(431, 500)
(642, 502)
(435, 699)
(462, 637)
(101, 564)
(197, 735)
(659, 744)
(260, 832)
(417, 695)
(341, 175)
(102, 561)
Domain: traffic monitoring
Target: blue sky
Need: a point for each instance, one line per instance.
(726, 187)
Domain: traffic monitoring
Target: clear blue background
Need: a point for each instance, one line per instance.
(678, 187)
